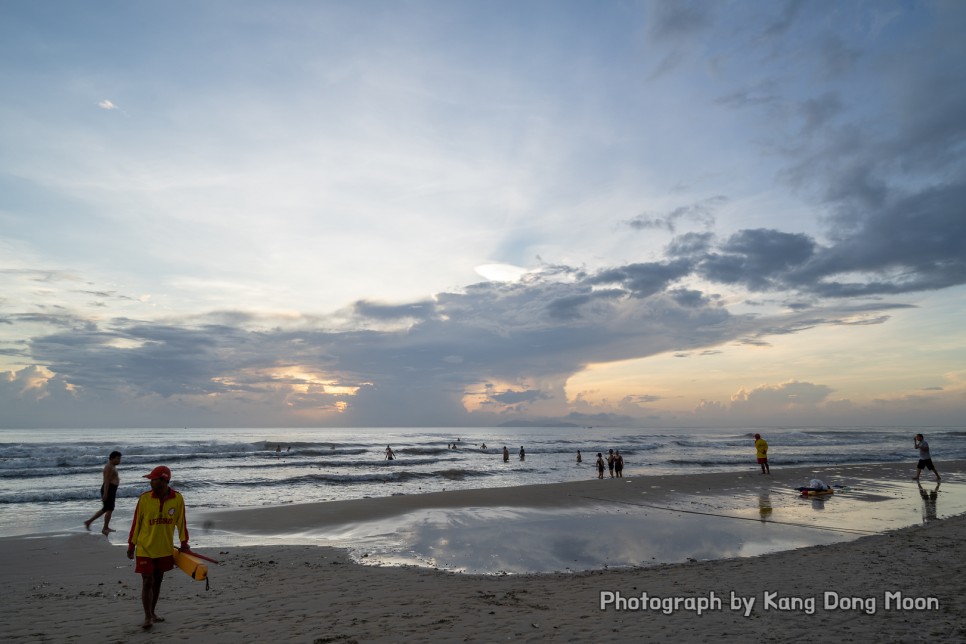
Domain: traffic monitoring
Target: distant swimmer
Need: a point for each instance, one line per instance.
(600, 465)
(390, 455)
(483, 447)
(579, 459)
(109, 484)
(506, 455)
(925, 459)
(761, 448)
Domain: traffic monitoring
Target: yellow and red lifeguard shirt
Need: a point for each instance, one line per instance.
(155, 519)
(761, 446)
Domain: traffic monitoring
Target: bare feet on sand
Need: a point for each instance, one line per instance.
(106, 531)
(87, 524)
(151, 621)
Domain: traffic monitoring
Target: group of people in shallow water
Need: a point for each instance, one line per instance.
(615, 462)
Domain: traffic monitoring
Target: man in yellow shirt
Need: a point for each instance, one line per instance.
(761, 446)
(158, 512)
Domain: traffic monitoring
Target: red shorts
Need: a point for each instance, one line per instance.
(148, 566)
(763, 460)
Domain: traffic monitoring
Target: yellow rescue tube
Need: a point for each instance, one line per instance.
(191, 565)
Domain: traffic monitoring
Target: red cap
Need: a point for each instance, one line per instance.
(160, 472)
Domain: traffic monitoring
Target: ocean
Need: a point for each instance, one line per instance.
(50, 479)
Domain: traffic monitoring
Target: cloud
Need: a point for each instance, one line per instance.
(701, 212)
(787, 394)
(645, 279)
(758, 259)
(357, 370)
(107, 105)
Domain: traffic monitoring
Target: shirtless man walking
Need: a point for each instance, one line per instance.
(108, 493)
(925, 459)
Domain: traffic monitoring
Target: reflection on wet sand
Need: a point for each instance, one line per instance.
(583, 526)
(764, 505)
(929, 512)
(495, 540)
(515, 540)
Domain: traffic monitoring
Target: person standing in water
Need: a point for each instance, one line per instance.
(761, 447)
(600, 465)
(389, 454)
(523, 455)
(579, 458)
(506, 455)
(109, 485)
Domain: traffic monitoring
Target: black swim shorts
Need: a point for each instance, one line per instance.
(111, 497)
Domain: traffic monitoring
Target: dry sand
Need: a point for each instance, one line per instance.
(79, 588)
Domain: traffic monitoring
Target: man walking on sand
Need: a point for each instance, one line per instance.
(761, 447)
(159, 511)
(925, 460)
(109, 484)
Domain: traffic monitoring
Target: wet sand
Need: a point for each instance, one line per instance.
(78, 587)
(594, 524)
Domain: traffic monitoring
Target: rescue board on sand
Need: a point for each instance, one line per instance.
(192, 565)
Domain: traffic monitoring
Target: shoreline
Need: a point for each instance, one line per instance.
(280, 519)
(78, 588)
(594, 524)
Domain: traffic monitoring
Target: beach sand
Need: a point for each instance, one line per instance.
(79, 587)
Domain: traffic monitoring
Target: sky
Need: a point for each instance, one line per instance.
(476, 213)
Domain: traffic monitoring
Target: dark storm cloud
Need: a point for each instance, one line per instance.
(491, 333)
(516, 397)
(570, 306)
(643, 280)
(913, 244)
(758, 259)
(151, 358)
